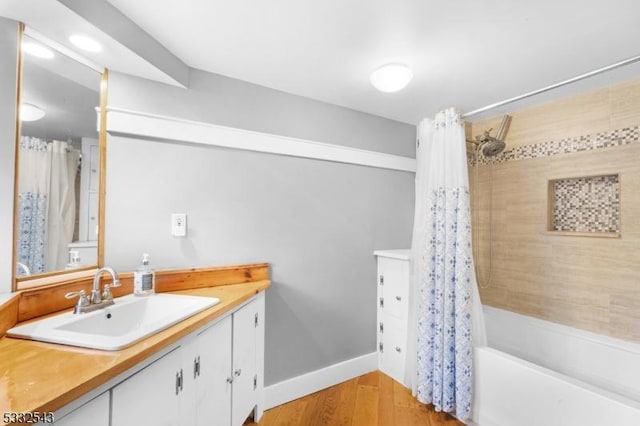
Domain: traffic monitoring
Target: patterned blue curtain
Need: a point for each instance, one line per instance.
(32, 210)
(443, 272)
(32, 204)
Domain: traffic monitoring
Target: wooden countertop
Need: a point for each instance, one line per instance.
(36, 376)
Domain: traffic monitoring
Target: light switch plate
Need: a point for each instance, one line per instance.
(179, 224)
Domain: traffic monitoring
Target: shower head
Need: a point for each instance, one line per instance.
(492, 146)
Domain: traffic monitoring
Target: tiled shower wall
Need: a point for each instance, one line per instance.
(585, 282)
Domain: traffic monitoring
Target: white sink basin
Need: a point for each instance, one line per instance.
(129, 320)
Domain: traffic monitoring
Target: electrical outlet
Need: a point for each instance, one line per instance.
(179, 224)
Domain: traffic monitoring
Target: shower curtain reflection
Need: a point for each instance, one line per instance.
(46, 204)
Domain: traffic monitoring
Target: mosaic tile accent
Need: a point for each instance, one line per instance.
(587, 204)
(617, 137)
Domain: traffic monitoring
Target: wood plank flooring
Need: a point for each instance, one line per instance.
(372, 399)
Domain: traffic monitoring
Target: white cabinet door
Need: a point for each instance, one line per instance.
(213, 376)
(244, 362)
(394, 280)
(94, 412)
(149, 397)
(392, 352)
(188, 393)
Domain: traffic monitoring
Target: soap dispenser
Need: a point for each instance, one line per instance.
(144, 278)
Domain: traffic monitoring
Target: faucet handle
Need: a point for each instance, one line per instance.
(106, 293)
(81, 294)
(83, 300)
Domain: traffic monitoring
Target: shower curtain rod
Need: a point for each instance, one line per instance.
(553, 86)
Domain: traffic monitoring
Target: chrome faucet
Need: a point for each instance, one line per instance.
(96, 296)
(97, 300)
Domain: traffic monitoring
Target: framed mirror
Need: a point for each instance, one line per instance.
(60, 184)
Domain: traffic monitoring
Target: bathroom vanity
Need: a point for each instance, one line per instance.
(208, 377)
(207, 369)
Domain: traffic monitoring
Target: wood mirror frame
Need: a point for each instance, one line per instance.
(60, 276)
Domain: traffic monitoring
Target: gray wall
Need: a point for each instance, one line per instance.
(316, 222)
(8, 92)
(217, 99)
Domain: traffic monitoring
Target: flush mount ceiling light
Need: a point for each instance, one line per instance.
(391, 77)
(37, 50)
(30, 112)
(85, 43)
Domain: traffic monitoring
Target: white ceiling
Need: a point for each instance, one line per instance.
(56, 22)
(464, 53)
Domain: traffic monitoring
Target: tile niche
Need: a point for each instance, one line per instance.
(585, 206)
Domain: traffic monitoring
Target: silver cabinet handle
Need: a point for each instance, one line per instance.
(381, 327)
(238, 372)
(398, 349)
(398, 298)
(178, 384)
(229, 380)
(382, 302)
(196, 366)
(381, 279)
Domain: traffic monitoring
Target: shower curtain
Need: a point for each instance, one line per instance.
(46, 203)
(446, 314)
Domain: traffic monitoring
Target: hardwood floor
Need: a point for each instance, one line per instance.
(372, 399)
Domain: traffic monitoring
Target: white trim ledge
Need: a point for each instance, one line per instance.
(297, 387)
(122, 122)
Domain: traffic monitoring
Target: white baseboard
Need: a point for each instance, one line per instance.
(297, 387)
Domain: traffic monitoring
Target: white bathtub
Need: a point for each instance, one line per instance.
(577, 378)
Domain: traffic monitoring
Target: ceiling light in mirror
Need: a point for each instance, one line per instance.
(29, 112)
(85, 43)
(37, 50)
(391, 77)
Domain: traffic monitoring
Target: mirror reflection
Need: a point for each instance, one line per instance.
(58, 163)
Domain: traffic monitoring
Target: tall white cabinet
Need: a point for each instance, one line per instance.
(393, 312)
(87, 243)
(89, 190)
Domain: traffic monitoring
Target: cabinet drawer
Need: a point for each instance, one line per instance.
(393, 286)
(392, 347)
(393, 274)
(392, 329)
(394, 303)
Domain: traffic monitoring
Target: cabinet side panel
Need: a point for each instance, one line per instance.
(260, 333)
